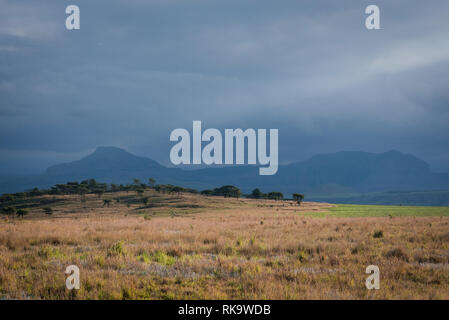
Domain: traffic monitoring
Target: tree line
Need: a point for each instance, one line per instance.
(91, 186)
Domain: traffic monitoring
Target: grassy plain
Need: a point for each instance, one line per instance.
(353, 210)
(195, 247)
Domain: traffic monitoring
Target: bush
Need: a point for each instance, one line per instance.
(163, 258)
(117, 249)
(378, 234)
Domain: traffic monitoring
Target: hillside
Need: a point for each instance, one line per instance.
(186, 246)
(342, 173)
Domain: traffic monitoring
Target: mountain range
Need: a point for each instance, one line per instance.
(343, 173)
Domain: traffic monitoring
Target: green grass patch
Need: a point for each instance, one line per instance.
(162, 258)
(117, 249)
(355, 210)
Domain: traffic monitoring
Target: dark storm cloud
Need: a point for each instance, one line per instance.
(138, 69)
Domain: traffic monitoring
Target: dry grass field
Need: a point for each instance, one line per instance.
(196, 247)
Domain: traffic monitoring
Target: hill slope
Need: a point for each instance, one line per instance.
(346, 172)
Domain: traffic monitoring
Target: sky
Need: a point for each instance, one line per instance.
(138, 69)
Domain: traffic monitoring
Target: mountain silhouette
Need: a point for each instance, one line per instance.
(345, 172)
(109, 163)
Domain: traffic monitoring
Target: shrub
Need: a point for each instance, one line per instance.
(145, 257)
(163, 258)
(378, 234)
(117, 249)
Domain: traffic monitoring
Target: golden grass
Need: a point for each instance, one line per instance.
(194, 247)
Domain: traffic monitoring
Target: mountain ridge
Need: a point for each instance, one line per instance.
(343, 172)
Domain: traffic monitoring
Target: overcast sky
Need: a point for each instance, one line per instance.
(137, 69)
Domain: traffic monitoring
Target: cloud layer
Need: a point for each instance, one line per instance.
(139, 69)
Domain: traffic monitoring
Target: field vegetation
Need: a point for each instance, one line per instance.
(181, 245)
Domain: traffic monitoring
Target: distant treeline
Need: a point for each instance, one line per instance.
(91, 186)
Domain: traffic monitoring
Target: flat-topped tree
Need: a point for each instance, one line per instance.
(207, 192)
(275, 195)
(298, 197)
(227, 191)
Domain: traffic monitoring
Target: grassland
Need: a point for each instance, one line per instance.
(195, 247)
(351, 210)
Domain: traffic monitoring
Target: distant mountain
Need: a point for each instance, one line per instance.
(109, 164)
(341, 173)
(338, 173)
(353, 171)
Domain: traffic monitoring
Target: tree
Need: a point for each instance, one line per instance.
(298, 197)
(146, 200)
(152, 182)
(256, 194)
(92, 183)
(207, 192)
(21, 212)
(177, 189)
(83, 190)
(10, 210)
(227, 191)
(6, 198)
(99, 192)
(275, 195)
(48, 211)
(35, 192)
(107, 202)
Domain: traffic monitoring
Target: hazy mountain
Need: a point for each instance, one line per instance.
(348, 172)
(109, 164)
(363, 172)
